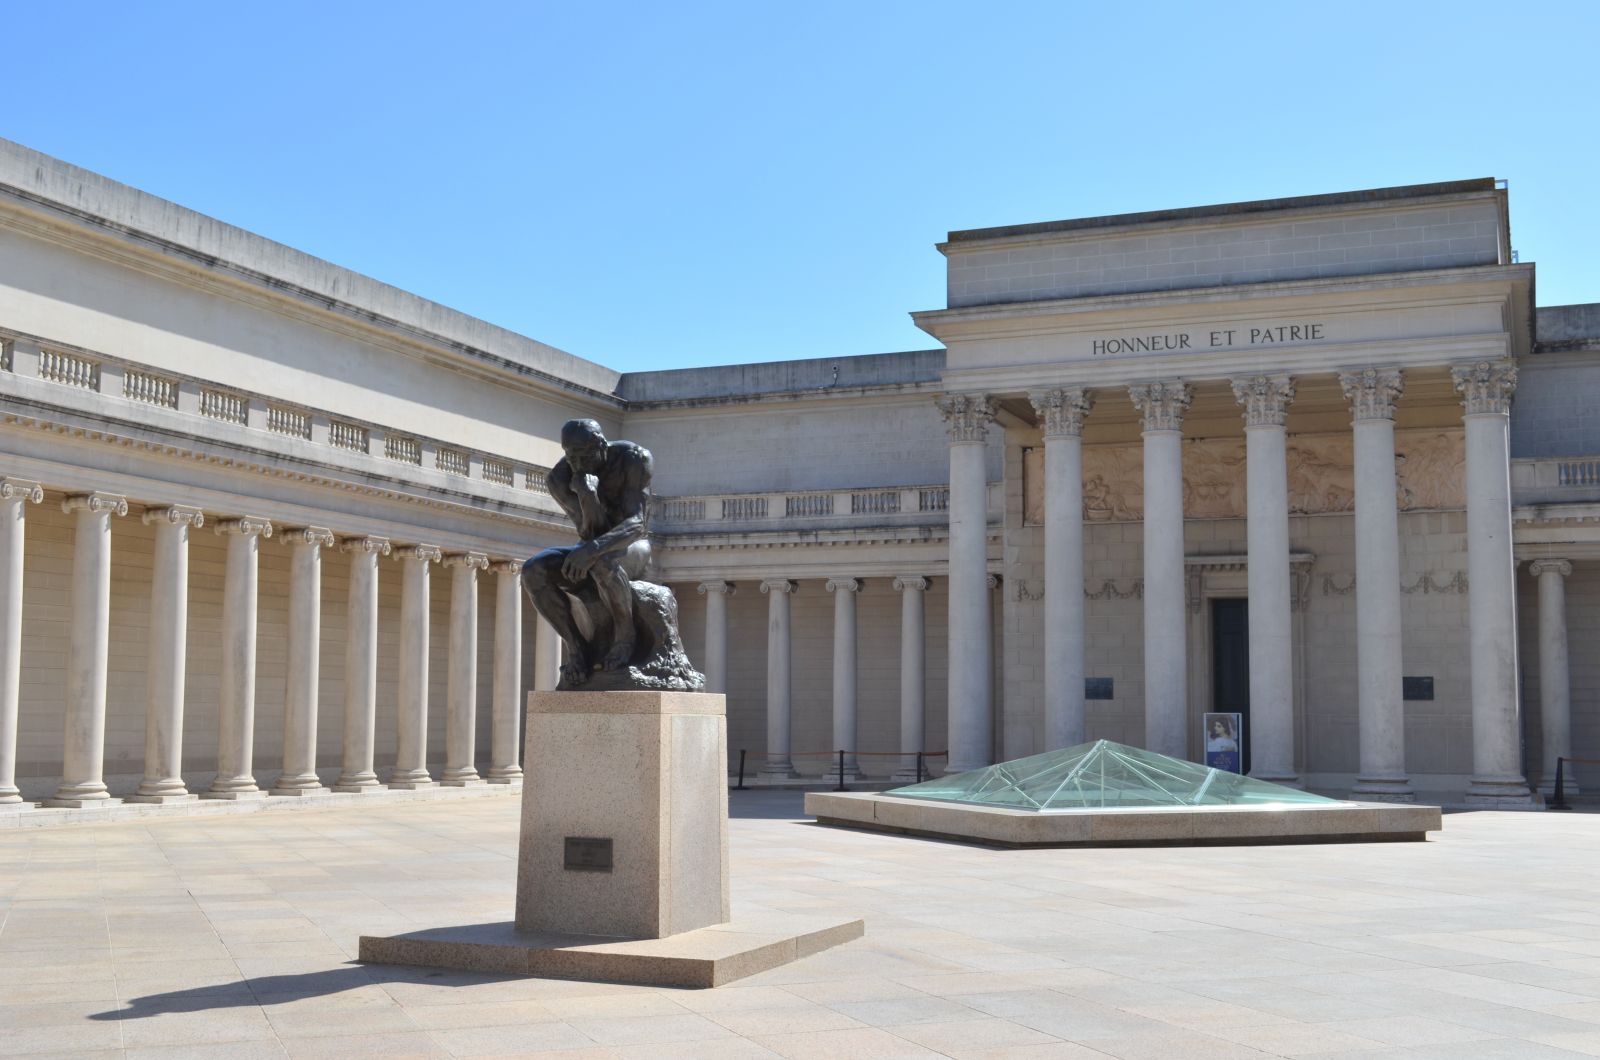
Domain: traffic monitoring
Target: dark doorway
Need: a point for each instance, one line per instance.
(1230, 664)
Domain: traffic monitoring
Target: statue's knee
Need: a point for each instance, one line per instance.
(537, 572)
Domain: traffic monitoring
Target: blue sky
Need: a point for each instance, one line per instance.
(667, 185)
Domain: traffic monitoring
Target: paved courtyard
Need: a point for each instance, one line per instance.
(232, 937)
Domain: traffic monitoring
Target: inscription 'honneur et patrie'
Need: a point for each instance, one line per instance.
(1175, 341)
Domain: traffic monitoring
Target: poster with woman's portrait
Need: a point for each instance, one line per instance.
(1225, 742)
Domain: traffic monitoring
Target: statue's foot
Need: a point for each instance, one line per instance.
(575, 672)
(618, 657)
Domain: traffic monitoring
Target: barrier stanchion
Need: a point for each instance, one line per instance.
(841, 772)
(1559, 801)
(741, 769)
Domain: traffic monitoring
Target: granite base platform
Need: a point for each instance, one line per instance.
(706, 957)
(1345, 822)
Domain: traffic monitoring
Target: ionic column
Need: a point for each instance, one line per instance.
(299, 776)
(461, 721)
(237, 719)
(779, 686)
(967, 418)
(411, 753)
(503, 756)
(168, 632)
(1372, 393)
(1061, 413)
(1555, 678)
(716, 653)
(546, 656)
(356, 773)
(83, 753)
(1166, 688)
(1497, 779)
(15, 495)
(913, 671)
(1266, 401)
(844, 669)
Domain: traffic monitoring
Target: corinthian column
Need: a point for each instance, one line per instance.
(411, 754)
(716, 653)
(1372, 393)
(1266, 401)
(168, 631)
(1166, 691)
(967, 418)
(83, 755)
(460, 742)
(1061, 412)
(913, 671)
(503, 767)
(1497, 779)
(356, 775)
(844, 669)
(15, 495)
(299, 776)
(1555, 678)
(779, 685)
(236, 725)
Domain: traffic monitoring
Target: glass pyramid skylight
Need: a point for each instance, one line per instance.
(1102, 775)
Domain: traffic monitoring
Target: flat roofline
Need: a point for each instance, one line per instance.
(1232, 209)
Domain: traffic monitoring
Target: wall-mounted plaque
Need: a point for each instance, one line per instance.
(587, 854)
(1097, 688)
(1416, 687)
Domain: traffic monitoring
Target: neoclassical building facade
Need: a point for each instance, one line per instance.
(1322, 462)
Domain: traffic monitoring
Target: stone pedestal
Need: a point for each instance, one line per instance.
(624, 814)
(622, 868)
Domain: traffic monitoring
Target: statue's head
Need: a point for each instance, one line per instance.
(585, 445)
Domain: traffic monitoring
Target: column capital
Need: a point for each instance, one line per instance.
(14, 488)
(426, 553)
(1485, 386)
(245, 525)
(1265, 399)
(1061, 410)
(95, 502)
(724, 588)
(506, 566)
(849, 585)
(315, 536)
(369, 544)
(1372, 392)
(469, 560)
(176, 514)
(1550, 566)
(778, 585)
(915, 582)
(993, 581)
(1162, 403)
(967, 416)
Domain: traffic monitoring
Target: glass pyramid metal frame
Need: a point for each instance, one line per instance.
(1104, 775)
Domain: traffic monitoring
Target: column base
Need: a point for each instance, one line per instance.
(234, 796)
(777, 768)
(1287, 780)
(277, 792)
(907, 776)
(58, 803)
(1383, 789)
(460, 781)
(1499, 793)
(9, 795)
(504, 775)
(366, 784)
(411, 785)
(162, 799)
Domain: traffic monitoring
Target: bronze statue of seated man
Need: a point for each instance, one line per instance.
(604, 487)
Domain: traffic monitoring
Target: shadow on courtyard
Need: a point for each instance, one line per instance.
(267, 990)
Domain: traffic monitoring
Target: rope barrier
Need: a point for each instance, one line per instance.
(921, 756)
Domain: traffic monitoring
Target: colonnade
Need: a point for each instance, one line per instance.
(83, 749)
(778, 761)
(1372, 392)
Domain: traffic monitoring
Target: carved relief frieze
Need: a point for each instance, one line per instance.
(1430, 475)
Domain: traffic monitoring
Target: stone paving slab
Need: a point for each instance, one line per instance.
(235, 936)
